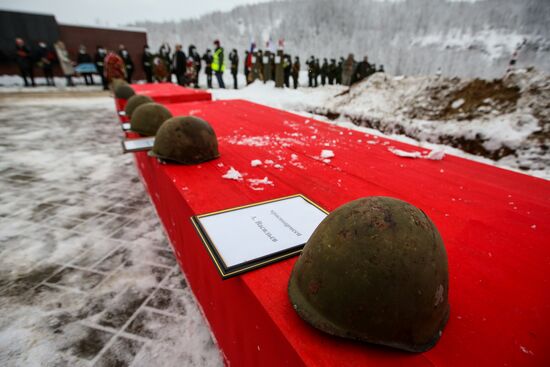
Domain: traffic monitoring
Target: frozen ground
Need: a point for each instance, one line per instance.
(87, 276)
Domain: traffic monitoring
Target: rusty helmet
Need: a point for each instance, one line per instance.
(134, 102)
(374, 270)
(148, 117)
(122, 90)
(185, 140)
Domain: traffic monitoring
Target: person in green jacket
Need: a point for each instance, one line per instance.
(218, 65)
(234, 59)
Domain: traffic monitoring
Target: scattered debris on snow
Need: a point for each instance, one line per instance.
(255, 182)
(233, 174)
(435, 154)
(326, 153)
(405, 154)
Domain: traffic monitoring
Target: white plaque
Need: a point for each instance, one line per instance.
(121, 113)
(136, 145)
(277, 59)
(126, 126)
(248, 237)
(265, 59)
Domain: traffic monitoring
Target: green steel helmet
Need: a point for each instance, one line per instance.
(186, 140)
(148, 117)
(116, 82)
(123, 90)
(374, 270)
(134, 102)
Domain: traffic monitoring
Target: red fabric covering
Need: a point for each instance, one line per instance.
(494, 224)
(171, 93)
(164, 93)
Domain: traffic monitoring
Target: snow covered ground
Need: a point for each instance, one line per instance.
(87, 276)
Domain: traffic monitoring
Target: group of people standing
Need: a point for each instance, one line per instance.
(345, 72)
(160, 66)
(263, 66)
(45, 57)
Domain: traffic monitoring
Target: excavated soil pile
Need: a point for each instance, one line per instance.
(455, 100)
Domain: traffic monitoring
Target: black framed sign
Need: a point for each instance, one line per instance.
(137, 145)
(252, 236)
(126, 126)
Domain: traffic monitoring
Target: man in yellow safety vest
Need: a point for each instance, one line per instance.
(218, 65)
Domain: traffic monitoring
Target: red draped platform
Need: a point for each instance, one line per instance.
(165, 93)
(494, 224)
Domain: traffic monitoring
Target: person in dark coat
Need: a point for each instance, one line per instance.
(339, 70)
(246, 65)
(363, 70)
(316, 73)
(272, 62)
(147, 63)
(324, 72)
(23, 59)
(128, 63)
(99, 60)
(287, 69)
(180, 64)
(296, 71)
(267, 65)
(332, 70)
(259, 66)
(310, 70)
(192, 52)
(207, 57)
(84, 58)
(46, 58)
(234, 59)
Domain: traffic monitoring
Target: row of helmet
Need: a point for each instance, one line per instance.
(181, 139)
(374, 270)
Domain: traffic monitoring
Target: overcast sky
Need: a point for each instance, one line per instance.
(120, 12)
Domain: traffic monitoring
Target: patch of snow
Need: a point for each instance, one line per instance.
(233, 174)
(436, 154)
(405, 154)
(257, 181)
(326, 153)
(458, 103)
(255, 162)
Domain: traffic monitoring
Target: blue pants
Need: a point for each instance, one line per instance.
(219, 76)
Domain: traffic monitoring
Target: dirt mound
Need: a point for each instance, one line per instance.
(505, 119)
(478, 97)
(451, 99)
